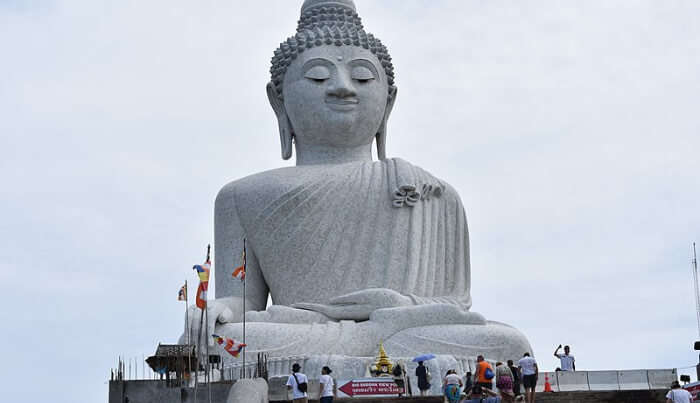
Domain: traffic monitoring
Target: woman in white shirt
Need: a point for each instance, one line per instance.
(327, 386)
(678, 394)
(451, 385)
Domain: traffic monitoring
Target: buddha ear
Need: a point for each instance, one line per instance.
(381, 133)
(285, 126)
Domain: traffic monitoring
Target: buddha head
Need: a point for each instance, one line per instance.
(332, 83)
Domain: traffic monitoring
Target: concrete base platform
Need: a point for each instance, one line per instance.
(158, 391)
(633, 396)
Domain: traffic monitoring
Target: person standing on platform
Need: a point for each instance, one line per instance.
(678, 394)
(568, 363)
(516, 377)
(298, 384)
(529, 370)
(327, 386)
(484, 373)
(468, 382)
(452, 385)
(504, 382)
(422, 375)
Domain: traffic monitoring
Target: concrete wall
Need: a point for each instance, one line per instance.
(156, 392)
(644, 396)
(627, 396)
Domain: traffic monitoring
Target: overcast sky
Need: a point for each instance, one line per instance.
(570, 129)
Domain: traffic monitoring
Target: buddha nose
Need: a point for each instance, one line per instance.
(342, 87)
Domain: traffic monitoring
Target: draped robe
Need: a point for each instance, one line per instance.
(321, 231)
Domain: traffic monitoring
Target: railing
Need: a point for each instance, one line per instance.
(646, 379)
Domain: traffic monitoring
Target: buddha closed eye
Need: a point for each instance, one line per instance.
(319, 70)
(362, 74)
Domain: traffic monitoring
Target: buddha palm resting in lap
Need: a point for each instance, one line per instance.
(352, 251)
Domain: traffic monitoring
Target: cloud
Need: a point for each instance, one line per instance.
(569, 130)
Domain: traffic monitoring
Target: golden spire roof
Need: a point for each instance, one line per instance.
(383, 359)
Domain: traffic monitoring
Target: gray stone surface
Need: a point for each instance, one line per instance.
(249, 391)
(151, 391)
(353, 251)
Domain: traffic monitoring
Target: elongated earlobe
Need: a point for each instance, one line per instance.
(381, 133)
(285, 127)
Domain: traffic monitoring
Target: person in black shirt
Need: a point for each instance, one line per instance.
(516, 377)
(422, 375)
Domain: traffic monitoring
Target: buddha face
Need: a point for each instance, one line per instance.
(335, 96)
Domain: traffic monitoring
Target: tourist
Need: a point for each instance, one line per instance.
(468, 383)
(452, 386)
(484, 373)
(399, 375)
(326, 386)
(568, 363)
(298, 384)
(504, 382)
(678, 394)
(516, 377)
(422, 375)
(529, 371)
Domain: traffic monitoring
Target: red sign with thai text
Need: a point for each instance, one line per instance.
(694, 389)
(368, 387)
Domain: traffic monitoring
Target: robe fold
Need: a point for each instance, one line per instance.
(326, 230)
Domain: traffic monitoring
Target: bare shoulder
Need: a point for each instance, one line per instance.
(256, 189)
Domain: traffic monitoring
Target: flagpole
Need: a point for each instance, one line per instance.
(198, 346)
(188, 340)
(245, 257)
(206, 332)
(199, 339)
(187, 321)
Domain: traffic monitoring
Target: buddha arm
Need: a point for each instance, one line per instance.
(229, 235)
(462, 302)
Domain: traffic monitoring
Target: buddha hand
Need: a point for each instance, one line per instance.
(222, 310)
(358, 305)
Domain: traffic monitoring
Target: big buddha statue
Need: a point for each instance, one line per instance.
(352, 251)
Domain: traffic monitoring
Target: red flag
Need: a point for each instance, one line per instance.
(231, 346)
(201, 299)
(239, 272)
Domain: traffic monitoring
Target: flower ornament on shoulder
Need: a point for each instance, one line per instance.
(406, 195)
(409, 196)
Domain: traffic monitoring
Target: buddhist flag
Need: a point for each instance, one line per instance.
(231, 346)
(239, 272)
(182, 294)
(203, 271)
(201, 300)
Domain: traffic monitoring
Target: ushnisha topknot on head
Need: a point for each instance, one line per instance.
(319, 3)
(327, 22)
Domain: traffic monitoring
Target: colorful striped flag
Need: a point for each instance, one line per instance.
(201, 299)
(203, 273)
(239, 272)
(231, 346)
(182, 294)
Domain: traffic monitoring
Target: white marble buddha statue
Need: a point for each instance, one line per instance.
(352, 251)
